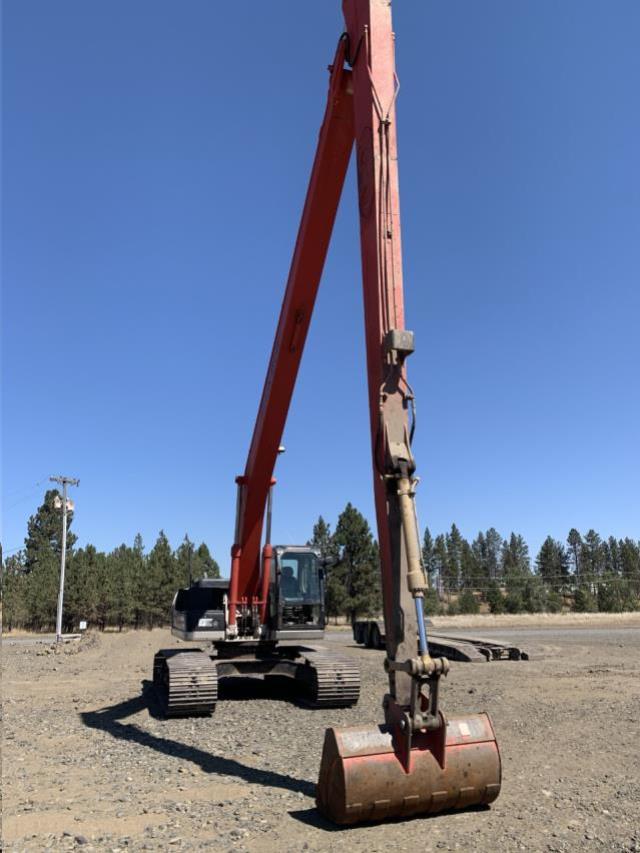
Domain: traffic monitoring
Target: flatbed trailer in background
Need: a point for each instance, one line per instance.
(370, 633)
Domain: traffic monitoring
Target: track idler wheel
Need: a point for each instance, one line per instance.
(362, 777)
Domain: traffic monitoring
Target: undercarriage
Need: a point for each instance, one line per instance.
(186, 680)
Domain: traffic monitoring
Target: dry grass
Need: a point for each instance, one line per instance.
(539, 620)
(524, 620)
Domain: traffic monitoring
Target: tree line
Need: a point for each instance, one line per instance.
(129, 587)
(122, 588)
(585, 573)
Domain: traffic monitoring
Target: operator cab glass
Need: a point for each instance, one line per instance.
(299, 577)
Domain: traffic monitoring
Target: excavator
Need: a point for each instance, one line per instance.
(417, 760)
(272, 645)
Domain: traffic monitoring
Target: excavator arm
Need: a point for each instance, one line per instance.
(370, 43)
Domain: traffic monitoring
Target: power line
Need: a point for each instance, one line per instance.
(21, 488)
(25, 495)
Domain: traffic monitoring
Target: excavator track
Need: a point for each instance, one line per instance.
(186, 682)
(331, 681)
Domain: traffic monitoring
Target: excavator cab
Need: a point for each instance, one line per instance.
(297, 594)
(296, 601)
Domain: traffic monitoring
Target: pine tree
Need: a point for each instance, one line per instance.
(469, 568)
(454, 558)
(359, 563)
(487, 548)
(431, 602)
(101, 583)
(534, 597)
(493, 546)
(553, 564)
(89, 589)
(440, 563)
(336, 598)
(515, 556)
(14, 592)
(584, 601)
(495, 599)
(574, 541)
(43, 546)
(184, 563)
(516, 573)
(335, 586)
(593, 558)
(323, 540)
(433, 593)
(467, 602)
(121, 574)
(44, 530)
(630, 566)
(614, 595)
(204, 564)
(479, 548)
(42, 588)
(139, 582)
(80, 596)
(428, 558)
(613, 557)
(161, 581)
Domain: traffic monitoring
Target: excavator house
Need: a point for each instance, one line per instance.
(417, 760)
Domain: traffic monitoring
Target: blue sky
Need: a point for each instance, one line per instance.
(156, 156)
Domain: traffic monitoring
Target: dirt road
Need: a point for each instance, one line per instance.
(87, 765)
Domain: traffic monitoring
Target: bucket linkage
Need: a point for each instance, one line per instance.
(418, 762)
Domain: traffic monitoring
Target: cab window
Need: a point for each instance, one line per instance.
(299, 578)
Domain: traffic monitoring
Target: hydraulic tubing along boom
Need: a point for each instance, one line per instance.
(417, 761)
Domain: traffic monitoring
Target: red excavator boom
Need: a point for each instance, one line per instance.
(318, 215)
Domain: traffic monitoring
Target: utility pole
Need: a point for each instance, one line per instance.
(64, 481)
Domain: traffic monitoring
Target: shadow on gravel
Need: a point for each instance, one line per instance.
(272, 687)
(312, 817)
(110, 720)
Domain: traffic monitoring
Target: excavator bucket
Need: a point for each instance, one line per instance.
(365, 777)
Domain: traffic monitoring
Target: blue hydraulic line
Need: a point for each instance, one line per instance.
(422, 630)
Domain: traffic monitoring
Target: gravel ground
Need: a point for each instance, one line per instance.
(88, 765)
